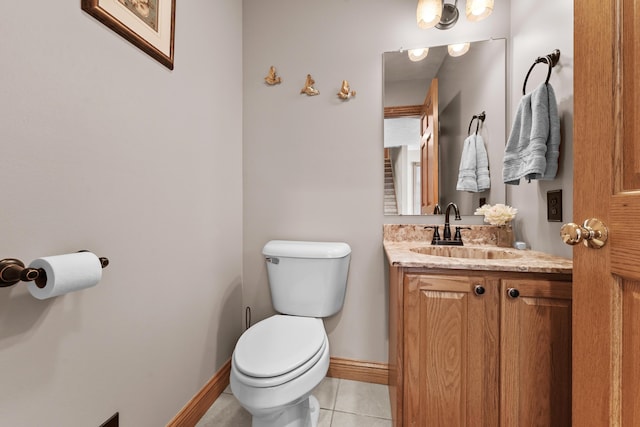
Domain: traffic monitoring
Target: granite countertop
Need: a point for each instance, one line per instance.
(402, 244)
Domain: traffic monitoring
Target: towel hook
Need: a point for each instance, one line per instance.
(479, 117)
(551, 60)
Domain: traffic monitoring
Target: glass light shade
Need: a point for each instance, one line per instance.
(477, 10)
(418, 54)
(428, 13)
(458, 49)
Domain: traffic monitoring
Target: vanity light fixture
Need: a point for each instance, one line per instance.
(477, 10)
(416, 55)
(450, 15)
(458, 49)
(428, 13)
(436, 13)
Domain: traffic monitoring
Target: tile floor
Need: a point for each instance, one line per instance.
(343, 403)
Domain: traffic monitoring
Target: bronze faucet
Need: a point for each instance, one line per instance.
(446, 234)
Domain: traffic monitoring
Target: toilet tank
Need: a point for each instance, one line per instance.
(307, 278)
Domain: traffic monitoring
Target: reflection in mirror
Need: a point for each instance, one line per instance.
(428, 108)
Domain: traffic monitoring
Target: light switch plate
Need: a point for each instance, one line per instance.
(554, 206)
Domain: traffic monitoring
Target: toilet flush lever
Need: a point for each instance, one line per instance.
(272, 260)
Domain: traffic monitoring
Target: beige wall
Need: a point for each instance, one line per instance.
(313, 165)
(105, 149)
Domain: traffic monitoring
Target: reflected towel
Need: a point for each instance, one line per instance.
(482, 165)
(473, 175)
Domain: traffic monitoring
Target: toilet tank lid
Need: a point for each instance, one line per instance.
(300, 249)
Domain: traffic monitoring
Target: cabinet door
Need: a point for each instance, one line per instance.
(536, 353)
(451, 351)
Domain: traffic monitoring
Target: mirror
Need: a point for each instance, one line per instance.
(428, 108)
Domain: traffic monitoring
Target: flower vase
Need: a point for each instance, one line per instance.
(505, 236)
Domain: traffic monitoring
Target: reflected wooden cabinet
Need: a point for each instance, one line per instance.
(479, 349)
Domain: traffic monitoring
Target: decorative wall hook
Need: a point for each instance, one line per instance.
(13, 270)
(308, 87)
(272, 78)
(346, 92)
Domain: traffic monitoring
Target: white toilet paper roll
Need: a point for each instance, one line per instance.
(66, 273)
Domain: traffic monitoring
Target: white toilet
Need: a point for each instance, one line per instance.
(278, 361)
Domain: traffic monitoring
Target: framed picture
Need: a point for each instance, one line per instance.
(148, 24)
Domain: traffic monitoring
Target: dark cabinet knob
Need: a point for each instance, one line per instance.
(478, 290)
(513, 292)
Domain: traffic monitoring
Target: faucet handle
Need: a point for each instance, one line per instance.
(458, 236)
(436, 233)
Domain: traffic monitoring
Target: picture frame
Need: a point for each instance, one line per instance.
(148, 24)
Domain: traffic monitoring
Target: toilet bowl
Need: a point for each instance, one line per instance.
(278, 362)
(276, 365)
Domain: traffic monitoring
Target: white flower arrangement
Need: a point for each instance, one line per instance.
(498, 214)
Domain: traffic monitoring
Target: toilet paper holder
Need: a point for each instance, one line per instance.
(13, 270)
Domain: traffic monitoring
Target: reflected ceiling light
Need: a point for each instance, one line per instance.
(428, 13)
(418, 54)
(477, 10)
(458, 49)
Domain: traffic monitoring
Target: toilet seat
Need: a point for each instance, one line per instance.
(279, 349)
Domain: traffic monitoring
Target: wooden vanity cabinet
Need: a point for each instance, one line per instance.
(451, 341)
(535, 353)
(463, 352)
